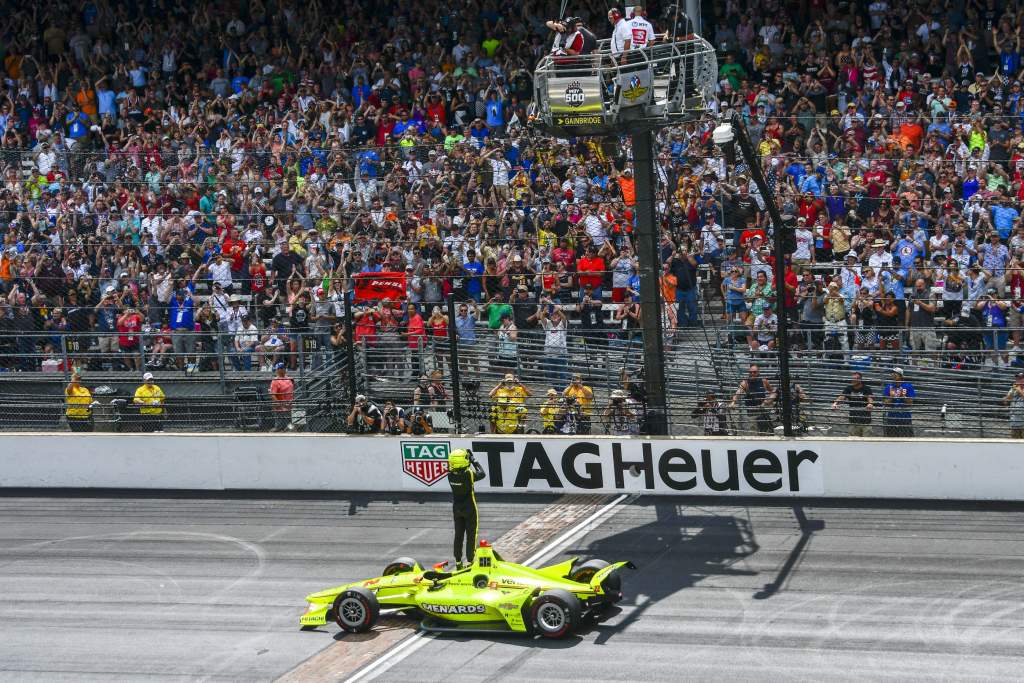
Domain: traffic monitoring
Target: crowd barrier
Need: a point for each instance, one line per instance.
(830, 468)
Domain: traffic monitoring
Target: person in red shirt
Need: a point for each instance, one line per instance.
(415, 333)
(282, 392)
(258, 282)
(590, 269)
(129, 324)
(233, 247)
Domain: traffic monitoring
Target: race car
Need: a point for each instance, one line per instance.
(489, 595)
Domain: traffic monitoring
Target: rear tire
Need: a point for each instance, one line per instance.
(555, 613)
(612, 584)
(399, 565)
(356, 609)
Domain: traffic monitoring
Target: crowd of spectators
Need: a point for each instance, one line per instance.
(193, 174)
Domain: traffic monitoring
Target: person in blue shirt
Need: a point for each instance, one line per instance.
(1003, 218)
(994, 312)
(368, 161)
(183, 327)
(465, 330)
(898, 396)
(904, 253)
(473, 284)
(495, 111)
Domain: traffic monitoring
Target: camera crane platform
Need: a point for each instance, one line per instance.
(635, 93)
(621, 94)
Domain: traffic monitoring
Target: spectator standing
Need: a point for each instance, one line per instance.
(556, 351)
(583, 396)
(621, 417)
(898, 396)
(860, 398)
(183, 326)
(78, 405)
(711, 413)
(282, 395)
(757, 395)
(1014, 399)
(150, 401)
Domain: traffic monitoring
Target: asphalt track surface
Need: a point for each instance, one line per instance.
(131, 588)
(136, 588)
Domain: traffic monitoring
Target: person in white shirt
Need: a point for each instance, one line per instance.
(246, 339)
(880, 258)
(622, 35)
(641, 30)
(220, 271)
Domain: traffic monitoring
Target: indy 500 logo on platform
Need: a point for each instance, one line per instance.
(425, 461)
(574, 95)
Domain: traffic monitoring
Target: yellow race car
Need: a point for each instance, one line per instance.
(490, 595)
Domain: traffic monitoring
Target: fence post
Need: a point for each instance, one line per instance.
(453, 360)
(350, 350)
(302, 357)
(64, 351)
(220, 362)
(142, 350)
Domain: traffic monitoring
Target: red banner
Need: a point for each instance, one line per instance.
(379, 286)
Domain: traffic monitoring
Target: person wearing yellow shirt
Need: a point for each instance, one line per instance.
(297, 241)
(584, 396)
(512, 389)
(549, 412)
(507, 417)
(78, 405)
(150, 400)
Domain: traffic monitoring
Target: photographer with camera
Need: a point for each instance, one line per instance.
(621, 416)
(420, 422)
(393, 419)
(365, 417)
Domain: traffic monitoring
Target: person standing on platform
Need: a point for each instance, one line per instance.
(463, 473)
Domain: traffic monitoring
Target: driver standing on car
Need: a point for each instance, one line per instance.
(463, 472)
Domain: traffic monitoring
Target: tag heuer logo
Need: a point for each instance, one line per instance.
(574, 96)
(425, 461)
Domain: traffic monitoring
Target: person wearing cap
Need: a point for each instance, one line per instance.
(365, 417)
(107, 313)
(183, 325)
(463, 473)
(898, 397)
(621, 416)
(282, 395)
(1014, 400)
(993, 311)
(583, 396)
(78, 405)
(510, 388)
(150, 401)
(861, 401)
(549, 410)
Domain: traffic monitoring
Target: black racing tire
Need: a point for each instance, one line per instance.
(612, 584)
(356, 609)
(399, 565)
(480, 581)
(555, 613)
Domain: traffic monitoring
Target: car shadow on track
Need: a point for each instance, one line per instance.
(680, 547)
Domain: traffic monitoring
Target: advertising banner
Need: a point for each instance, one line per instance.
(609, 465)
(576, 102)
(375, 286)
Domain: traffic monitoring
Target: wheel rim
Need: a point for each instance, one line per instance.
(352, 612)
(551, 617)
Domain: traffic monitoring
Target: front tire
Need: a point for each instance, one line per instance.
(356, 610)
(555, 613)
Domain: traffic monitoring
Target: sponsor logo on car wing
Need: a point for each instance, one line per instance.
(453, 609)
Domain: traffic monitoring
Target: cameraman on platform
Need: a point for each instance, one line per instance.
(620, 417)
(393, 419)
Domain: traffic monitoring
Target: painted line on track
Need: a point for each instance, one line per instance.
(419, 639)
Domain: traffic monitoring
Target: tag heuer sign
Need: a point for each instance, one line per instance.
(425, 461)
(574, 96)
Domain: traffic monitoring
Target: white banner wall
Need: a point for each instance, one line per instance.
(835, 468)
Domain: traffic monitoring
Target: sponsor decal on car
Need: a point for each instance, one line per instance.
(453, 609)
(425, 461)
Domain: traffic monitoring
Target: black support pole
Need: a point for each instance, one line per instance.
(453, 360)
(647, 232)
(350, 349)
(782, 342)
